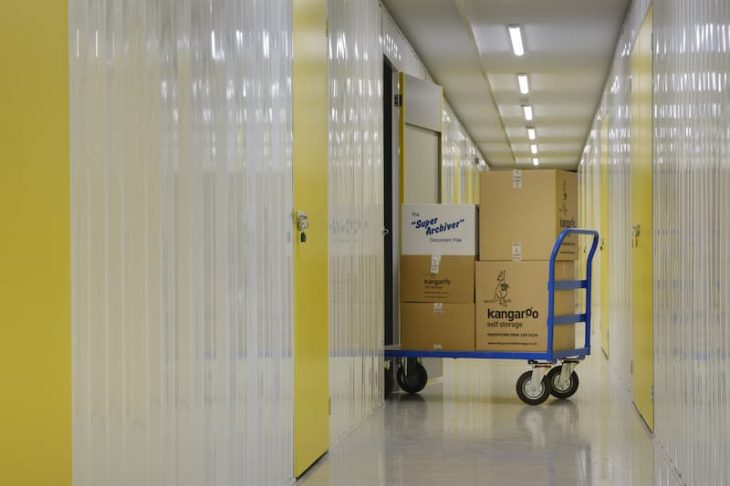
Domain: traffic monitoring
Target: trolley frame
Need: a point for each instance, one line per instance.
(549, 356)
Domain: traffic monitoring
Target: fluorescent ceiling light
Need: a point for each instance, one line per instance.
(533, 148)
(527, 109)
(535, 161)
(524, 84)
(531, 134)
(515, 35)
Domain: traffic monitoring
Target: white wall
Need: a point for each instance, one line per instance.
(181, 184)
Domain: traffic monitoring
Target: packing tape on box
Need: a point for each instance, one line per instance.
(517, 251)
(438, 308)
(517, 179)
(435, 263)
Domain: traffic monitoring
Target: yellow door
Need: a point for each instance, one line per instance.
(604, 303)
(311, 358)
(641, 221)
(35, 253)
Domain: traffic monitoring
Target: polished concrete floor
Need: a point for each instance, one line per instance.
(470, 428)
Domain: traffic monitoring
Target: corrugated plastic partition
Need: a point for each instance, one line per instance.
(181, 183)
(356, 212)
(459, 163)
(692, 237)
(615, 105)
(589, 173)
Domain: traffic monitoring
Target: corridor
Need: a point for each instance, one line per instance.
(224, 221)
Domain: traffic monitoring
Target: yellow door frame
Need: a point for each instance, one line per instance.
(310, 174)
(642, 225)
(35, 250)
(605, 296)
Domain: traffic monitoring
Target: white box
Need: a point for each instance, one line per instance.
(439, 229)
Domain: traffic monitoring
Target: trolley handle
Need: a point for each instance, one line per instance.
(577, 231)
(570, 285)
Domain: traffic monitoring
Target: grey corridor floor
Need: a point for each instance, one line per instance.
(470, 428)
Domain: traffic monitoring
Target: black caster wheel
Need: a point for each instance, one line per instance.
(532, 395)
(562, 390)
(389, 382)
(415, 380)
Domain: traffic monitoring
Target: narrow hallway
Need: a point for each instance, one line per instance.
(470, 428)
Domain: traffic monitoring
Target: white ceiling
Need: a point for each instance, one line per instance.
(569, 46)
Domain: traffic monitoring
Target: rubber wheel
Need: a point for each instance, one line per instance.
(562, 392)
(415, 380)
(532, 397)
(389, 382)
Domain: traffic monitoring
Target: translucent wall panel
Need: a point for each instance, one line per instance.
(692, 237)
(356, 211)
(181, 183)
(460, 162)
(589, 200)
(691, 230)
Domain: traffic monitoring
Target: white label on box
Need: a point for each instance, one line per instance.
(435, 263)
(516, 251)
(438, 308)
(516, 179)
(439, 229)
(438, 347)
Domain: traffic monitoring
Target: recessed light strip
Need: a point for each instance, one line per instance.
(524, 83)
(527, 110)
(535, 161)
(515, 35)
(531, 133)
(533, 149)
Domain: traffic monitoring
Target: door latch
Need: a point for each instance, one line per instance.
(302, 221)
(635, 233)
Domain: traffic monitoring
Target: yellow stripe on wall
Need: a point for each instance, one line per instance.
(35, 282)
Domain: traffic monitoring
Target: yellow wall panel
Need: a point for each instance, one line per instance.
(35, 295)
(311, 365)
(641, 221)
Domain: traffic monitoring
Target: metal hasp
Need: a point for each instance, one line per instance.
(302, 221)
(554, 285)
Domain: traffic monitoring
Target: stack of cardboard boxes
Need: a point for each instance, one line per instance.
(438, 252)
(521, 215)
(519, 218)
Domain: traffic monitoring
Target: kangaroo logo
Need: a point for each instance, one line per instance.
(564, 207)
(501, 291)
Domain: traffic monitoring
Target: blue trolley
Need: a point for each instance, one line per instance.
(544, 379)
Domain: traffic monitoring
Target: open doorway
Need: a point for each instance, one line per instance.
(391, 201)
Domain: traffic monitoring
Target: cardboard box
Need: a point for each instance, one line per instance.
(439, 229)
(522, 212)
(446, 279)
(437, 326)
(512, 306)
